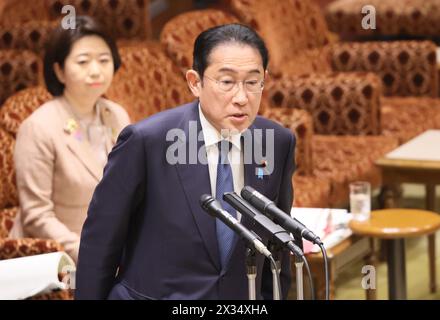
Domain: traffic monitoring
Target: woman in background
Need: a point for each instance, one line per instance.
(62, 147)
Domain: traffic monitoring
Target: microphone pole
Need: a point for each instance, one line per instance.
(278, 233)
(299, 230)
(214, 208)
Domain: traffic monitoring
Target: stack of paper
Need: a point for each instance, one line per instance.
(331, 225)
(25, 277)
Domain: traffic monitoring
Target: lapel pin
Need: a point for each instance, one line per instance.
(261, 169)
(260, 173)
(72, 127)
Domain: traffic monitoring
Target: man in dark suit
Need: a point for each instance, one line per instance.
(146, 236)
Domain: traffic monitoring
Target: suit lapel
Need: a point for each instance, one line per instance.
(83, 151)
(195, 182)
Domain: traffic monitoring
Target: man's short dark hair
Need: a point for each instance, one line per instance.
(60, 44)
(228, 33)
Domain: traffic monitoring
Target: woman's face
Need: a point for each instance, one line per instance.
(88, 69)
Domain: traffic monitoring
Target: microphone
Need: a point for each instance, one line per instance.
(275, 230)
(269, 208)
(214, 208)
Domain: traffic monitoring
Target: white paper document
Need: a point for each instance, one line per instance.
(25, 277)
(331, 225)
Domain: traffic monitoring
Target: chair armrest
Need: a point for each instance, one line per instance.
(7, 217)
(340, 103)
(407, 68)
(15, 248)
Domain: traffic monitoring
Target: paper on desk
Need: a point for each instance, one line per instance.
(331, 225)
(25, 277)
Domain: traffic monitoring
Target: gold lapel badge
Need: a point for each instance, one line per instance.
(72, 127)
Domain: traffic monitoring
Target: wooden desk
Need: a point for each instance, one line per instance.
(340, 256)
(417, 161)
(395, 225)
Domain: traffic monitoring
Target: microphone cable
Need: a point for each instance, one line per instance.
(309, 274)
(277, 276)
(327, 282)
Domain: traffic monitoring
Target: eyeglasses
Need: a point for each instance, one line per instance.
(251, 86)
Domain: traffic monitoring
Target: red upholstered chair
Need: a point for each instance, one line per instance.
(416, 18)
(21, 11)
(148, 82)
(27, 25)
(31, 35)
(19, 69)
(309, 190)
(128, 19)
(15, 248)
(179, 34)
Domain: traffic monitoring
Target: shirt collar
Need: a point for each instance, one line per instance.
(212, 136)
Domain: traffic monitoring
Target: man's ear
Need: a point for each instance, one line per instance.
(59, 72)
(194, 83)
(266, 77)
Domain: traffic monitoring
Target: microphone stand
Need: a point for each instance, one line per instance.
(251, 272)
(275, 249)
(299, 263)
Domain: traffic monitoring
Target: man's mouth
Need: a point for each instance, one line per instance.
(238, 116)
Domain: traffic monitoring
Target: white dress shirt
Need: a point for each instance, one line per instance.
(212, 137)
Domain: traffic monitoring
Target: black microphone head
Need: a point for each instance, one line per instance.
(205, 199)
(246, 192)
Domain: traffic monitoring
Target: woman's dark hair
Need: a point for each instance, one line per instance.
(228, 33)
(60, 44)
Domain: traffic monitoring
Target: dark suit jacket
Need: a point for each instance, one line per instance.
(145, 219)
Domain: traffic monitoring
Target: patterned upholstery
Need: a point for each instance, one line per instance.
(55, 295)
(27, 25)
(414, 115)
(8, 190)
(15, 248)
(148, 82)
(32, 35)
(20, 11)
(393, 17)
(301, 124)
(20, 106)
(121, 18)
(7, 220)
(178, 34)
(309, 191)
(344, 159)
(407, 68)
(339, 103)
(19, 69)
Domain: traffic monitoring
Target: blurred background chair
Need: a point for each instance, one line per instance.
(147, 82)
(15, 248)
(19, 69)
(395, 19)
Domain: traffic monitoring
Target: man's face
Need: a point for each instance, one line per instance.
(237, 108)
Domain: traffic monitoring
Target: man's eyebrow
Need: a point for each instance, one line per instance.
(234, 71)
